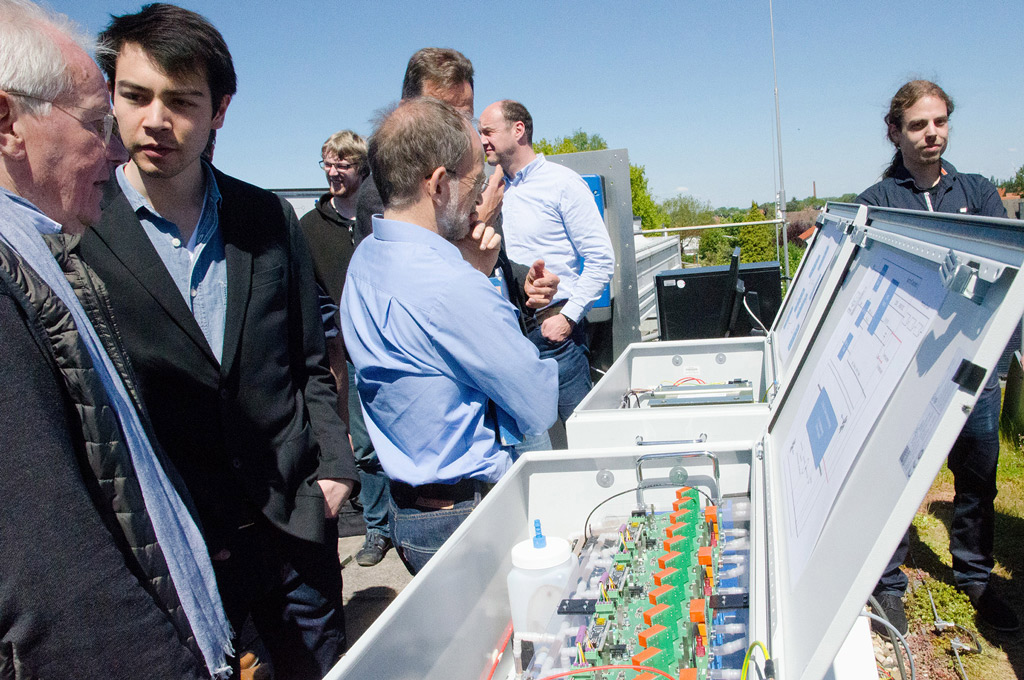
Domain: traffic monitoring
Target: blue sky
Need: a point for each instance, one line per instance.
(686, 87)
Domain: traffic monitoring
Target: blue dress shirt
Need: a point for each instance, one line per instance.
(437, 350)
(198, 267)
(549, 212)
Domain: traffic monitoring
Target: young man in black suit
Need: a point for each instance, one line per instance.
(212, 285)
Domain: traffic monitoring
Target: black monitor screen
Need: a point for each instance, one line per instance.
(703, 302)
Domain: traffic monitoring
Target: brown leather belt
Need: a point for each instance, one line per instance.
(543, 315)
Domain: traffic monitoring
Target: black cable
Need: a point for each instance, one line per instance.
(586, 523)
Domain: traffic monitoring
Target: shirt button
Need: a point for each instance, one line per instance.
(194, 292)
(175, 242)
(236, 463)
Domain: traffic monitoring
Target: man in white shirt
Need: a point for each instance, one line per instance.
(549, 213)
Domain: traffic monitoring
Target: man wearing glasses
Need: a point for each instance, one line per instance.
(330, 230)
(438, 351)
(103, 571)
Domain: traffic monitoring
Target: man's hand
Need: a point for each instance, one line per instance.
(480, 247)
(490, 200)
(556, 328)
(540, 286)
(336, 492)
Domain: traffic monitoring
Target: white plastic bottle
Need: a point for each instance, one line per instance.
(541, 567)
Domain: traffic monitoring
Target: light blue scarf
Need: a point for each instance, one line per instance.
(21, 227)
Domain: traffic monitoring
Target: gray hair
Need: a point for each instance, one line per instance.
(31, 61)
(410, 142)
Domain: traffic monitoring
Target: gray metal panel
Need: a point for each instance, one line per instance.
(613, 165)
(814, 606)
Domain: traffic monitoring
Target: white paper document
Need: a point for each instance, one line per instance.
(805, 287)
(874, 342)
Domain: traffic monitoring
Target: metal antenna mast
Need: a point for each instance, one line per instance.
(781, 200)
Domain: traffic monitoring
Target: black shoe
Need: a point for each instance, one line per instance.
(992, 609)
(893, 611)
(374, 548)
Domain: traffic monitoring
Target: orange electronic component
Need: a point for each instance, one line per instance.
(645, 657)
(702, 628)
(644, 675)
(711, 514)
(677, 529)
(663, 595)
(665, 577)
(652, 635)
(674, 543)
(704, 556)
(680, 515)
(651, 614)
(684, 674)
(670, 559)
(697, 610)
(682, 491)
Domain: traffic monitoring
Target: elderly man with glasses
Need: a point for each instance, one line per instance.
(103, 571)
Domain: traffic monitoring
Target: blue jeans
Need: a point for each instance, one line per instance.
(418, 531)
(572, 355)
(373, 490)
(972, 460)
(292, 589)
(532, 442)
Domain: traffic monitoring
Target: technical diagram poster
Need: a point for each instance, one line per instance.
(874, 342)
(805, 286)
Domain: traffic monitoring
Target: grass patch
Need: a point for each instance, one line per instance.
(931, 564)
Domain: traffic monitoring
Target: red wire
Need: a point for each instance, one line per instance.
(580, 671)
(500, 651)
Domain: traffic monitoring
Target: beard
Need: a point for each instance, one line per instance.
(451, 225)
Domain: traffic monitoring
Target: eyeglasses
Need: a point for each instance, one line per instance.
(478, 184)
(339, 167)
(101, 126)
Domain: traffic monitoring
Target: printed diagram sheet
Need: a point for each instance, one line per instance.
(874, 342)
(805, 287)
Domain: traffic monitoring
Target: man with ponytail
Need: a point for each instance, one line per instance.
(919, 179)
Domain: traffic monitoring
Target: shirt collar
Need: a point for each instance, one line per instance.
(948, 172)
(526, 170)
(138, 202)
(406, 232)
(42, 223)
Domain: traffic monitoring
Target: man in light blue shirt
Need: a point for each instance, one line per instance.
(549, 213)
(437, 350)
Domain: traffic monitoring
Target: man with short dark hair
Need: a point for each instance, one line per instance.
(213, 286)
(103, 570)
(919, 179)
(439, 356)
(330, 230)
(549, 213)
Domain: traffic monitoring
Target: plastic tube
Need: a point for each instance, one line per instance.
(729, 647)
(723, 674)
(728, 628)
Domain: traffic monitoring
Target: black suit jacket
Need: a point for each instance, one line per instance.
(253, 433)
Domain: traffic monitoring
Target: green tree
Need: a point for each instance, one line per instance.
(687, 211)
(714, 247)
(1016, 184)
(574, 143)
(650, 213)
(757, 242)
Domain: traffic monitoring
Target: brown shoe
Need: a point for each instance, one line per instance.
(251, 668)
